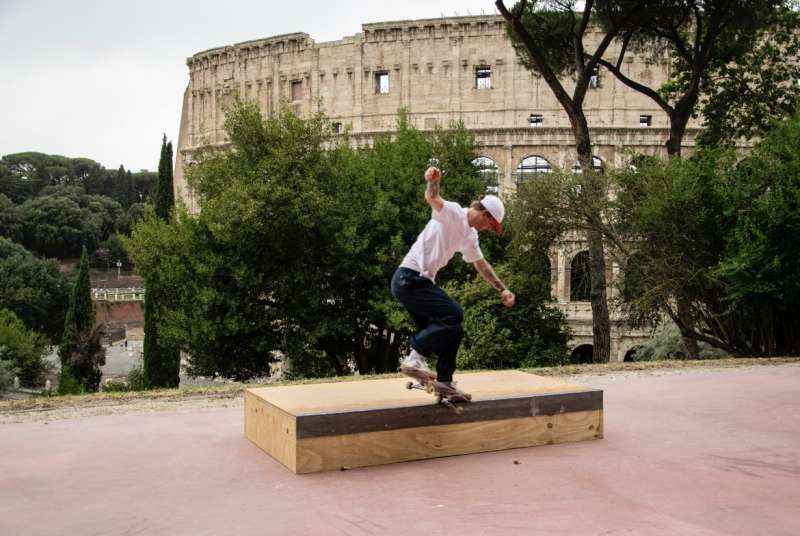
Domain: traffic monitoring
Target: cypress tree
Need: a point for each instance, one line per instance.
(121, 188)
(132, 196)
(80, 351)
(165, 197)
(161, 361)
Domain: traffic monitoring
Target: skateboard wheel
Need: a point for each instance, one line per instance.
(409, 385)
(459, 410)
(468, 396)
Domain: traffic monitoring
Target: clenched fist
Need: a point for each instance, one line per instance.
(508, 298)
(432, 174)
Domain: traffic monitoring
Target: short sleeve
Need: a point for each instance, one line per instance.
(472, 251)
(448, 214)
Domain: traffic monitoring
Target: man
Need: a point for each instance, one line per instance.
(438, 317)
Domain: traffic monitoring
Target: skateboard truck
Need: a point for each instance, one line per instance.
(445, 395)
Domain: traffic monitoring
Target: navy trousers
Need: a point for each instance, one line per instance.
(438, 317)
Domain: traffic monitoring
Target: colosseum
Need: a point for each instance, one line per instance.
(439, 70)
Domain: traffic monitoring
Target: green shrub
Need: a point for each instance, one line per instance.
(530, 334)
(137, 380)
(7, 374)
(666, 343)
(23, 349)
(68, 384)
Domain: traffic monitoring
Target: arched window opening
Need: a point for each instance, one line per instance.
(630, 355)
(487, 168)
(531, 166)
(580, 278)
(583, 353)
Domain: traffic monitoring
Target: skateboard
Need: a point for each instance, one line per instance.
(426, 381)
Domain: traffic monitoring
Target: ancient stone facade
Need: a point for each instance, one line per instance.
(439, 70)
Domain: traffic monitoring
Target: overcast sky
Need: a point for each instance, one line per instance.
(103, 79)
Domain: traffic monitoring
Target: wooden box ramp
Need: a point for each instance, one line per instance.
(330, 426)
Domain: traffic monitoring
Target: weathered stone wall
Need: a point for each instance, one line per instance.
(116, 314)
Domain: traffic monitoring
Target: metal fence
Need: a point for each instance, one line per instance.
(118, 294)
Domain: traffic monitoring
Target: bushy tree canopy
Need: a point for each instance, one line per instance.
(721, 234)
(23, 349)
(62, 219)
(34, 289)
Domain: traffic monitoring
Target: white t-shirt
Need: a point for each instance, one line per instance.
(446, 233)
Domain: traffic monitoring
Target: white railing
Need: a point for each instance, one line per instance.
(118, 294)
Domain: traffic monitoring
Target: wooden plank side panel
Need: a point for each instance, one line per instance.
(373, 448)
(433, 414)
(273, 430)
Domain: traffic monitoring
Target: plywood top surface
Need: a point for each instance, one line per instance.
(389, 393)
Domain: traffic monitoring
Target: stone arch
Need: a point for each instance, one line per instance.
(580, 278)
(583, 353)
(532, 165)
(630, 354)
(489, 172)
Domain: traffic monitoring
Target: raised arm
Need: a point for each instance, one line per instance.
(433, 176)
(486, 270)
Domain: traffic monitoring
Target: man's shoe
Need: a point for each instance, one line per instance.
(417, 363)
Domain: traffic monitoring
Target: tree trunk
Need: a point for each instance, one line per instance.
(678, 120)
(601, 323)
(689, 343)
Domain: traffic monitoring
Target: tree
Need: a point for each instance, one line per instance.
(743, 99)
(80, 351)
(10, 222)
(23, 175)
(109, 252)
(706, 41)
(165, 196)
(549, 38)
(33, 289)
(23, 349)
(143, 186)
(63, 218)
(705, 38)
(122, 187)
(531, 334)
(161, 360)
(720, 235)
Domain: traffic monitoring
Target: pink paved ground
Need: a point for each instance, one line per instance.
(696, 453)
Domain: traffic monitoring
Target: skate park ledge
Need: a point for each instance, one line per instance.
(333, 426)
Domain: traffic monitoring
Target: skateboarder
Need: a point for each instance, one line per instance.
(438, 317)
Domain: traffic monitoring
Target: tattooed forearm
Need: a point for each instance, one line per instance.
(485, 269)
(433, 190)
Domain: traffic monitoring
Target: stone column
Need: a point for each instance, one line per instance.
(358, 95)
(214, 105)
(612, 287)
(405, 90)
(276, 83)
(509, 178)
(561, 286)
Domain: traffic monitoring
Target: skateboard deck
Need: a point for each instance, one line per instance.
(445, 395)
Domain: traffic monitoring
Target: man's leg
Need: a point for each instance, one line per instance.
(437, 316)
(446, 362)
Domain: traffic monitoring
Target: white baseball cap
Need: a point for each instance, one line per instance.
(495, 207)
